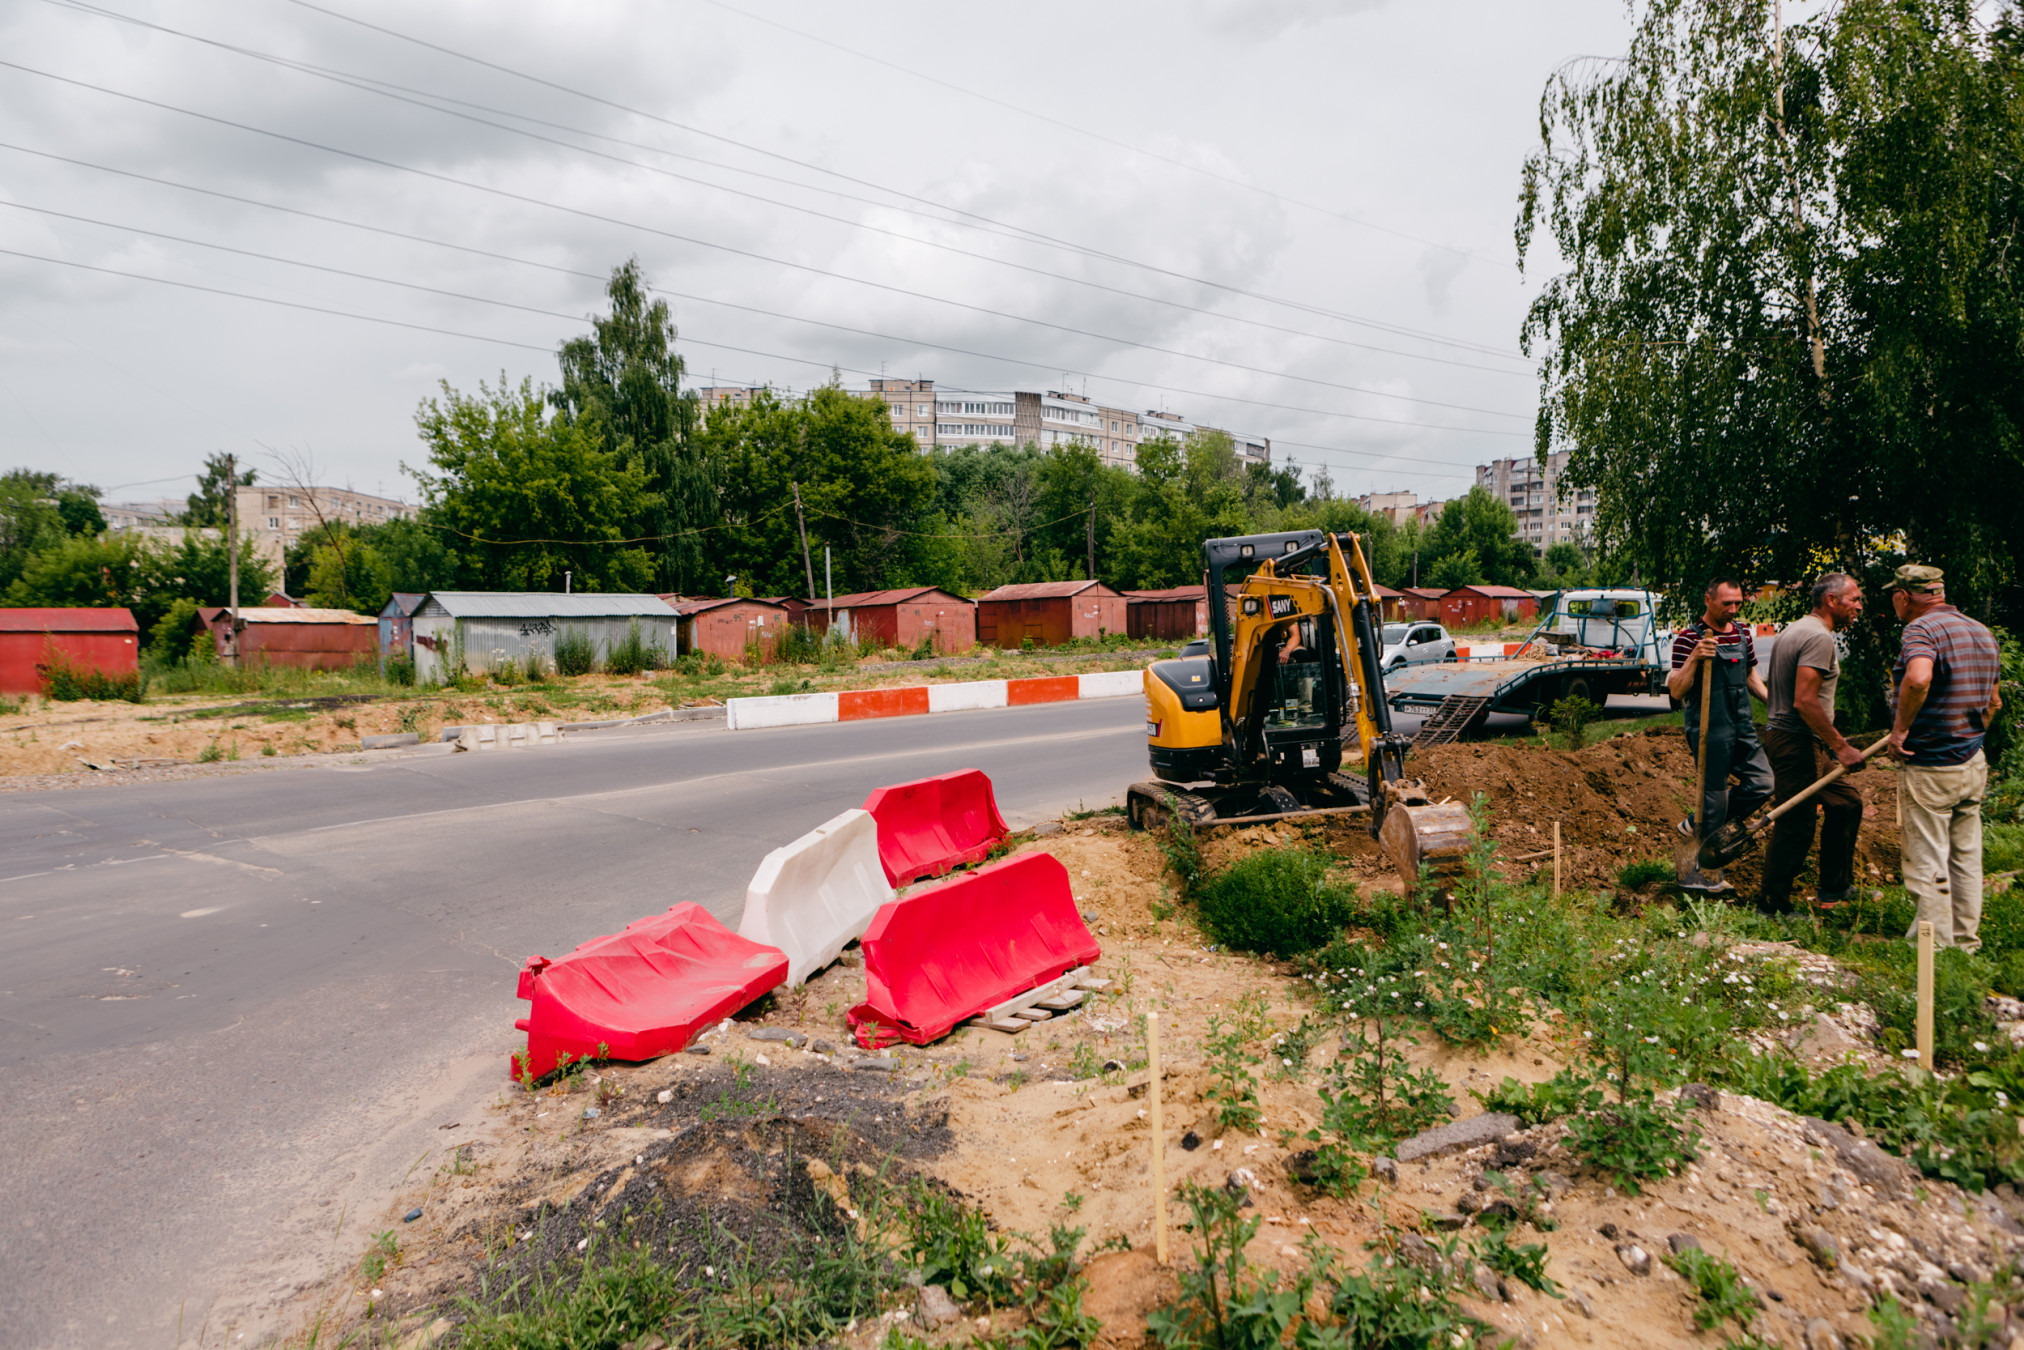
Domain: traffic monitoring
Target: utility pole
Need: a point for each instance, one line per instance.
(1089, 535)
(807, 566)
(232, 556)
(828, 593)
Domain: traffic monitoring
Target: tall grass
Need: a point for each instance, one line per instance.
(632, 654)
(66, 683)
(194, 675)
(575, 653)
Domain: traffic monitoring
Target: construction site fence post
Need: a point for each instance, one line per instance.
(1159, 1139)
(1926, 995)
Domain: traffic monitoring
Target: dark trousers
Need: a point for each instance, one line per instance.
(1797, 761)
(1732, 751)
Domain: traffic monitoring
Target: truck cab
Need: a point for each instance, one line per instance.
(1619, 622)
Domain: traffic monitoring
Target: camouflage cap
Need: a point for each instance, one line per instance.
(1918, 580)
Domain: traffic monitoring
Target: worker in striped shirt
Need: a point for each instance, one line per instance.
(1716, 647)
(1945, 694)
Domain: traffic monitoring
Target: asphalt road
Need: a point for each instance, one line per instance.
(237, 1010)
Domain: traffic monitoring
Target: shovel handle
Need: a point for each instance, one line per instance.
(1796, 798)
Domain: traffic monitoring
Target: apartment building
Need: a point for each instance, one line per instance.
(1155, 423)
(1533, 491)
(141, 515)
(911, 404)
(274, 517)
(715, 396)
(1397, 507)
(976, 418)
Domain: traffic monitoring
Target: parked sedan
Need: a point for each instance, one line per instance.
(1412, 644)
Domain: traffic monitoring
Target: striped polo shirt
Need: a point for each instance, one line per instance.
(1687, 638)
(1966, 666)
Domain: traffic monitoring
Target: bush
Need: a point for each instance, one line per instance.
(575, 653)
(1570, 717)
(66, 683)
(1278, 901)
(400, 670)
(1632, 1142)
(631, 654)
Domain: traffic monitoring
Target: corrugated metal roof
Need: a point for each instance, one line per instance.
(1499, 592)
(1171, 593)
(544, 605)
(702, 603)
(859, 599)
(1044, 590)
(276, 614)
(67, 621)
(404, 603)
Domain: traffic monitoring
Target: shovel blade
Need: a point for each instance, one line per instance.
(1728, 843)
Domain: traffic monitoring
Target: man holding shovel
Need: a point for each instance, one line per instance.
(1945, 697)
(1803, 745)
(1715, 669)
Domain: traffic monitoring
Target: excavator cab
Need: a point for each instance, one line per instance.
(1257, 721)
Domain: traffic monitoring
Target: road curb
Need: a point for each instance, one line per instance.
(856, 705)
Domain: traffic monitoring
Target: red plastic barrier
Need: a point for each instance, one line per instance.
(949, 952)
(641, 992)
(1042, 689)
(926, 828)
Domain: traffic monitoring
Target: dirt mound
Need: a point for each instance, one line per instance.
(1616, 802)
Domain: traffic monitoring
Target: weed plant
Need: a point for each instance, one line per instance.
(65, 683)
(1525, 1263)
(1224, 1304)
(1571, 717)
(1566, 1093)
(633, 654)
(1724, 1297)
(1277, 901)
(1235, 1091)
(575, 653)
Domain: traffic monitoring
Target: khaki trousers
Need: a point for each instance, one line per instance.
(1940, 829)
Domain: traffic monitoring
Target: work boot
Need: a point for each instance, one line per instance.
(1768, 903)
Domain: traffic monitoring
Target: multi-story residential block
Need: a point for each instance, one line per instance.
(274, 517)
(715, 396)
(911, 404)
(1533, 491)
(1053, 418)
(140, 515)
(1118, 437)
(1397, 507)
(1155, 423)
(976, 417)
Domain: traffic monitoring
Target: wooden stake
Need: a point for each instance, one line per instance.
(1926, 995)
(1159, 1140)
(1556, 857)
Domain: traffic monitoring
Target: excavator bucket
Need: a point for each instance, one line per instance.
(1419, 833)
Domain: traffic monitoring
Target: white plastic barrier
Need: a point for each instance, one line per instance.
(965, 695)
(1111, 684)
(507, 736)
(811, 897)
(778, 710)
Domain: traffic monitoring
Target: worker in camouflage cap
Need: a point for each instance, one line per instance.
(1944, 698)
(1915, 579)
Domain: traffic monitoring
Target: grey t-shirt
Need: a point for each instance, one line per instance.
(1808, 642)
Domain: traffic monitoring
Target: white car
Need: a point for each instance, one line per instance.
(1414, 643)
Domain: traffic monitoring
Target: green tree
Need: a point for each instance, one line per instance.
(866, 492)
(624, 384)
(206, 507)
(524, 498)
(29, 520)
(77, 508)
(1786, 336)
(1475, 539)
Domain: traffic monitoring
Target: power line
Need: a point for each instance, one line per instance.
(698, 299)
(422, 99)
(1305, 306)
(1094, 135)
(749, 253)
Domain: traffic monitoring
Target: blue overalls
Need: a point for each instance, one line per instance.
(1733, 748)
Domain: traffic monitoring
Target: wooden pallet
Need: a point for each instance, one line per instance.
(1041, 1002)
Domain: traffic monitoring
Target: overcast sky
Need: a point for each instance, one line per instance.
(1322, 192)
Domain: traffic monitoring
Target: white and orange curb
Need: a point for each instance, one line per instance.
(856, 705)
(1494, 652)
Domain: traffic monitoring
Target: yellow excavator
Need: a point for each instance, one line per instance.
(1262, 719)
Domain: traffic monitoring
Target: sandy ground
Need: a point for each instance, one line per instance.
(1032, 1130)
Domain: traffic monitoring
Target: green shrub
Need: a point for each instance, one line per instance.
(631, 654)
(575, 653)
(1632, 1142)
(1278, 901)
(1561, 1095)
(400, 669)
(1724, 1295)
(1571, 716)
(176, 635)
(68, 684)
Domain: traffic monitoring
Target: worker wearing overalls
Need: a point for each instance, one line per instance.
(1717, 644)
